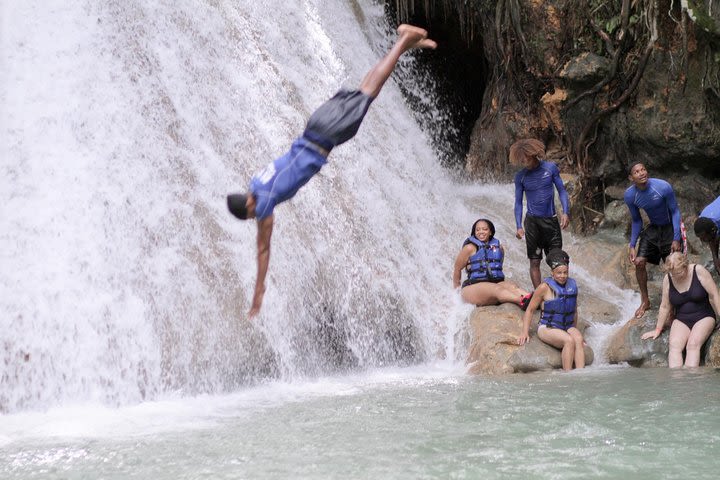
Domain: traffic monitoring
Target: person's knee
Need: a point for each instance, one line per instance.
(694, 344)
(535, 263)
(641, 263)
(676, 345)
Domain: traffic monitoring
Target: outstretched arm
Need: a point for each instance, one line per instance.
(663, 313)
(535, 301)
(714, 244)
(264, 234)
(519, 190)
(564, 198)
(675, 214)
(636, 222)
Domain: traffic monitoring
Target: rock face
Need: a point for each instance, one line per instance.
(626, 346)
(672, 121)
(493, 348)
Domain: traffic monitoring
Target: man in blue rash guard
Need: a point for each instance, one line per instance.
(537, 182)
(335, 122)
(662, 236)
(707, 229)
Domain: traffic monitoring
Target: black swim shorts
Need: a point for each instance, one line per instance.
(542, 234)
(655, 242)
(338, 120)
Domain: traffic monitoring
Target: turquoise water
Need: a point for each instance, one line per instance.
(601, 422)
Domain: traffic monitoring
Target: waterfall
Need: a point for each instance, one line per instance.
(125, 123)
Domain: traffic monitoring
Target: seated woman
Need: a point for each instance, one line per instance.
(558, 320)
(690, 290)
(482, 257)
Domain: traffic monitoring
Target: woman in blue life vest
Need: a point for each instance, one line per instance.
(482, 258)
(558, 318)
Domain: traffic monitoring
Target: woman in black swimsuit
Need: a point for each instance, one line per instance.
(691, 291)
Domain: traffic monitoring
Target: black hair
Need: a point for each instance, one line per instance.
(704, 225)
(237, 204)
(557, 257)
(632, 164)
(490, 226)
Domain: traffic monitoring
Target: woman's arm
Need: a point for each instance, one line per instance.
(708, 284)
(461, 262)
(663, 313)
(537, 298)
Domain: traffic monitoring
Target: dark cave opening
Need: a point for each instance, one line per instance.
(458, 73)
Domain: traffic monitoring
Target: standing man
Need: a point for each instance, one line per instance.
(537, 181)
(335, 122)
(662, 236)
(707, 229)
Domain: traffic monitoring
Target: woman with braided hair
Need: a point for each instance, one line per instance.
(557, 298)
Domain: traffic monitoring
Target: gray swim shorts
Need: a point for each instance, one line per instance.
(338, 120)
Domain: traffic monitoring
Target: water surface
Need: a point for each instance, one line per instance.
(607, 422)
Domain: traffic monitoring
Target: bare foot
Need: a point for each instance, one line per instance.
(640, 312)
(415, 37)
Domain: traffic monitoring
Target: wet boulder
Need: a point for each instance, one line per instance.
(626, 345)
(494, 331)
(710, 354)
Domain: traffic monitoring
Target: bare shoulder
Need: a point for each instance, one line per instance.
(702, 272)
(543, 290)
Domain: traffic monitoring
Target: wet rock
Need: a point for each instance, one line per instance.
(626, 346)
(586, 68)
(605, 256)
(616, 192)
(617, 215)
(710, 354)
(494, 349)
(595, 310)
(537, 355)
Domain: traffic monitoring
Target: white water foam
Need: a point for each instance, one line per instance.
(125, 123)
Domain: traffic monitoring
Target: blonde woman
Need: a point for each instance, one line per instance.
(690, 290)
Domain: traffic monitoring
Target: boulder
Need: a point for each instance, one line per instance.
(584, 69)
(626, 346)
(710, 354)
(494, 349)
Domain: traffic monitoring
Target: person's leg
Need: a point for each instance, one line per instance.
(535, 276)
(642, 278)
(534, 248)
(679, 333)
(508, 292)
(480, 294)
(513, 288)
(579, 347)
(562, 340)
(409, 37)
(488, 293)
(698, 335)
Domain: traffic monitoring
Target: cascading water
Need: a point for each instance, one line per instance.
(125, 123)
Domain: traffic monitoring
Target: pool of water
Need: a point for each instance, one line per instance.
(411, 423)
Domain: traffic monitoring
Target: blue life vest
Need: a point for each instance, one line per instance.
(560, 312)
(486, 264)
